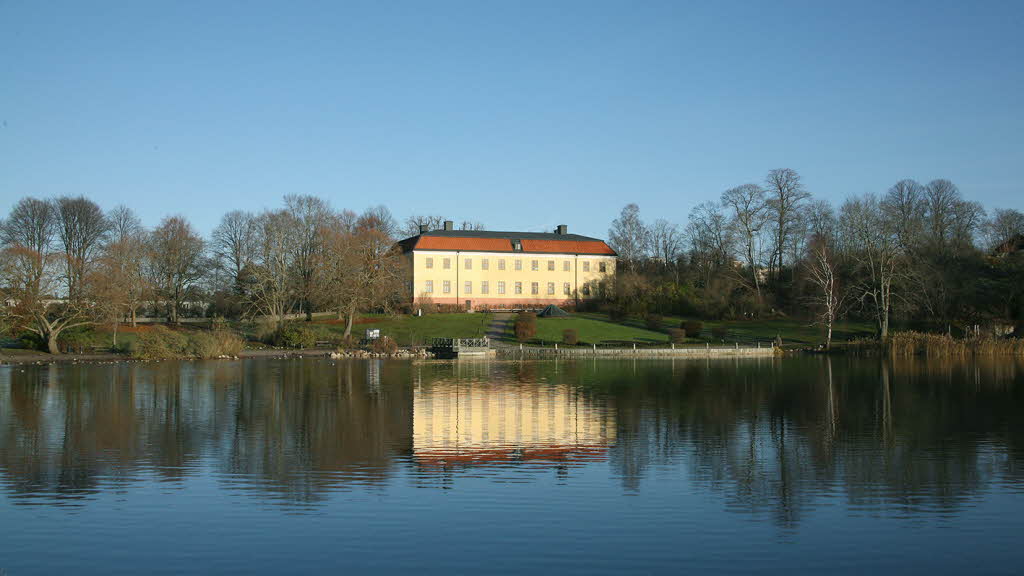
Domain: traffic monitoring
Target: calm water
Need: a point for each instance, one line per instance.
(288, 466)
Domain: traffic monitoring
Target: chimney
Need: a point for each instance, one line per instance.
(562, 229)
(449, 225)
(424, 228)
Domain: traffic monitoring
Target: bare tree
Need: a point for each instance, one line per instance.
(786, 199)
(666, 241)
(81, 228)
(411, 226)
(233, 243)
(413, 223)
(941, 197)
(363, 270)
(471, 225)
(380, 218)
(122, 271)
(310, 216)
(1004, 227)
(710, 240)
(904, 207)
(176, 261)
(270, 290)
(629, 236)
(874, 247)
(34, 271)
(749, 216)
(124, 224)
(822, 269)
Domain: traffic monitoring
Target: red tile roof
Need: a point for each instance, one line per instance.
(505, 245)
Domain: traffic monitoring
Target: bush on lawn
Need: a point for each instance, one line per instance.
(570, 337)
(678, 335)
(693, 328)
(526, 326)
(719, 332)
(653, 322)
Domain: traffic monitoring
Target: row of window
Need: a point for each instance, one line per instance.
(485, 264)
(517, 287)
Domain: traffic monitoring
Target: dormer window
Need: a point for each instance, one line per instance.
(517, 246)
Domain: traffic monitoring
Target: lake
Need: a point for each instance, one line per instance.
(795, 465)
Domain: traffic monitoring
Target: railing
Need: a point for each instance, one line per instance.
(459, 343)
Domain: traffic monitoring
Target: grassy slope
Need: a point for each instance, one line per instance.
(591, 329)
(409, 330)
(595, 328)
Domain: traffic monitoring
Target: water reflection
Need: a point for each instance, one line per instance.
(771, 437)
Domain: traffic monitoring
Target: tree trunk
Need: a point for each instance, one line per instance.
(51, 343)
(115, 334)
(133, 317)
(351, 318)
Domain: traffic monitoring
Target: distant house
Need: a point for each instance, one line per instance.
(478, 269)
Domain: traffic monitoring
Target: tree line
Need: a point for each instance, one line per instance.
(917, 254)
(920, 254)
(67, 264)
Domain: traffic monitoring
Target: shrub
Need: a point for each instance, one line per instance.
(677, 335)
(295, 336)
(384, 345)
(693, 328)
(719, 332)
(160, 343)
(526, 326)
(570, 337)
(214, 344)
(653, 322)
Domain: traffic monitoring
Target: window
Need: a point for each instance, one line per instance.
(565, 266)
(430, 263)
(534, 265)
(485, 264)
(534, 288)
(551, 288)
(447, 288)
(519, 287)
(501, 285)
(428, 286)
(551, 265)
(517, 245)
(519, 264)
(501, 264)
(586, 266)
(566, 289)
(586, 290)
(447, 263)
(469, 264)
(485, 287)
(468, 287)
(602, 267)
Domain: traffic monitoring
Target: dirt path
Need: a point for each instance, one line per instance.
(501, 324)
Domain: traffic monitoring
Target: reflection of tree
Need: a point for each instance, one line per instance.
(299, 428)
(772, 435)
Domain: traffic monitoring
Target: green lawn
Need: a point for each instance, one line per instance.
(414, 330)
(592, 329)
(595, 328)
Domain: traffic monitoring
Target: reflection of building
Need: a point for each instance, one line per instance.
(478, 269)
(486, 423)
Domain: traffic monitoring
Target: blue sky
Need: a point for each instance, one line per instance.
(521, 115)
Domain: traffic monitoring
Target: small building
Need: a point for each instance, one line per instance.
(476, 269)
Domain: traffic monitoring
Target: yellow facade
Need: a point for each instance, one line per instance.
(480, 280)
(470, 421)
